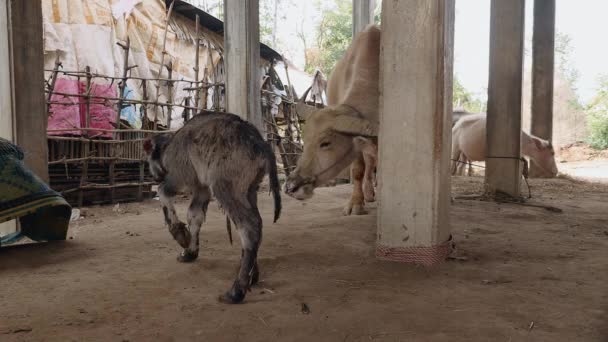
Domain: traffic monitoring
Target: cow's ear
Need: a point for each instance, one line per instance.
(538, 143)
(148, 145)
(356, 126)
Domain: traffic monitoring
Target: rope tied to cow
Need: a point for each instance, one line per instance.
(525, 172)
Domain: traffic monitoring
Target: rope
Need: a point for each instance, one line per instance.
(525, 172)
(425, 256)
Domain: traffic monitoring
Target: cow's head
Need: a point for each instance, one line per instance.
(333, 137)
(543, 155)
(154, 147)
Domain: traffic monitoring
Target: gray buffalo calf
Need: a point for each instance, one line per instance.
(217, 154)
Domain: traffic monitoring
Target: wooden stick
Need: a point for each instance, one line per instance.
(106, 186)
(112, 172)
(125, 73)
(216, 97)
(105, 130)
(52, 84)
(140, 188)
(78, 160)
(196, 62)
(59, 138)
(85, 165)
(144, 105)
(169, 95)
(162, 60)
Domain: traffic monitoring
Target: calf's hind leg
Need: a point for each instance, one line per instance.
(249, 224)
(196, 216)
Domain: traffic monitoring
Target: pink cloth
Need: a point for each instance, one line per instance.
(65, 116)
(73, 115)
(101, 116)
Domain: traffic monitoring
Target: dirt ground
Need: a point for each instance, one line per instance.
(523, 274)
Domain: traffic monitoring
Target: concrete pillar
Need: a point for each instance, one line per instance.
(503, 173)
(29, 104)
(363, 14)
(415, 130)
(543, 58)
(6, 110)
(242, 56)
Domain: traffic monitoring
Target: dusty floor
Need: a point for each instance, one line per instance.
(528, 275)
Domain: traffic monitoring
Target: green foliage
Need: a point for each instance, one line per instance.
(597, 117)
(464, 99)
(334, 35)
(563, 58)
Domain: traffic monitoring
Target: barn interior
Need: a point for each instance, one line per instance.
(438, 257)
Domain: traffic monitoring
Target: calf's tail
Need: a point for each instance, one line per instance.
(275, 186)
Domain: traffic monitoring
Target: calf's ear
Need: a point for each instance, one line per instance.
(356, 126)
(148, 145)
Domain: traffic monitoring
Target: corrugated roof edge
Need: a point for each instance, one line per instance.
(214, 24)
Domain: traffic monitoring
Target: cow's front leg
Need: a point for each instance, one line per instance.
(368, 179)
(355, 205)
(177, 228)
(196, 216)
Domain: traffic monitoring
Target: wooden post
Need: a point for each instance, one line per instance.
(415, 130)
(125, 73)
(169, 94)
(242, 55)
(197, 93)
(85, 151)
(144, 105)
(543, 58)
(112, 175)
(503, 173)
(27, 72)
(140, 187)
(51, 84)
(363, 14)
(162, 62)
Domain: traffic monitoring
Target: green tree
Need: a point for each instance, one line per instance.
(597, 116)
(334, 34)
(464, 99)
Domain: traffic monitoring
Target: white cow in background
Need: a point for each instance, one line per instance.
(469, 144)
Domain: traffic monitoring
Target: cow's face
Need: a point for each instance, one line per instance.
(154, 148)
(332, 139)
(543, 155)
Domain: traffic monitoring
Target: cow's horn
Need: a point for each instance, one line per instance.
(353, 125)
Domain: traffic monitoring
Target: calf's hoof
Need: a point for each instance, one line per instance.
(235, 295)
(187, 256)
(370, 198)
(180, 234)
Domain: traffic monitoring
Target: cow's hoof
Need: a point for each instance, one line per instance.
(347, 210)
(359, 210)
(235, 295)
(187, 256)
(370, 198)
(356, 209)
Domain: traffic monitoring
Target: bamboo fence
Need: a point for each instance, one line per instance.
(92, 165)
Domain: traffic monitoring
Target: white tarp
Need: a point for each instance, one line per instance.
(86, 33)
